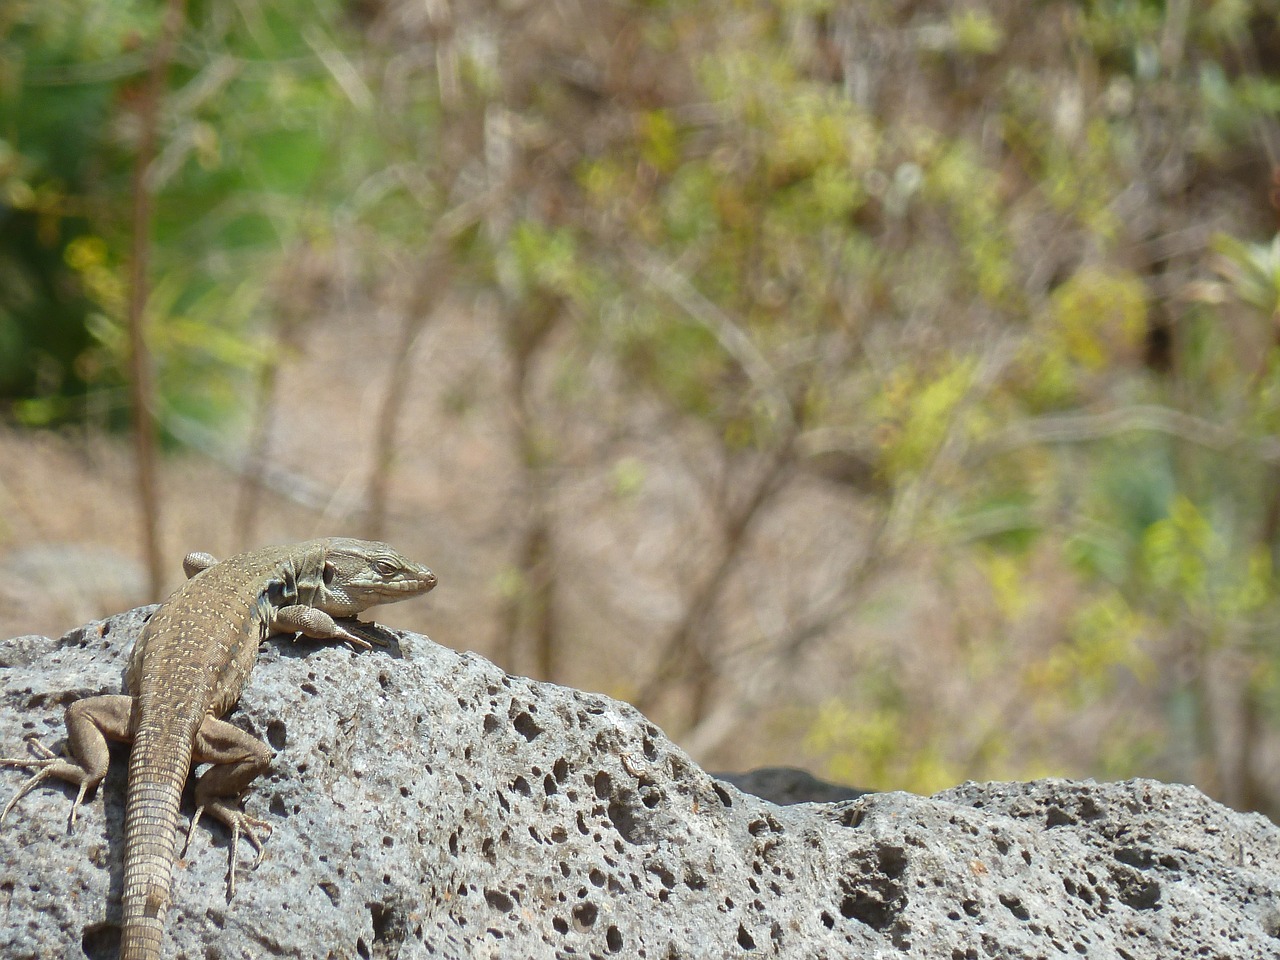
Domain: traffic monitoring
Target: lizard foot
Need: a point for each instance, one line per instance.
(239, 823)
(359, 636)
(47, 764)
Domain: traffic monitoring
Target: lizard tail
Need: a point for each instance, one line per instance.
(158, 768)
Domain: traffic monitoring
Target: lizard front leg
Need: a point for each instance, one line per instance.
(316, 624)
(91, 722)
(297, 618)
(237, 759)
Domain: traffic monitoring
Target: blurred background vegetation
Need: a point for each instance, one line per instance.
(891, 388)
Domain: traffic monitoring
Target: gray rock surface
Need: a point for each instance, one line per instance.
(429, 805)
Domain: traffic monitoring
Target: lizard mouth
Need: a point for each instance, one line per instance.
(407, 584)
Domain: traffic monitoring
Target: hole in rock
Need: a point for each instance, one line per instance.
(499, 900)
(1057, 817)
(584, 915)
(526, 726)
(390, 925)
(101, 941)
(1014, 905)
(893, 861)
(276, 734)
(866, 908)
(624, 820)
(602, 785)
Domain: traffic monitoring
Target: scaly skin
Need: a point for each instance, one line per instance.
(186, 671)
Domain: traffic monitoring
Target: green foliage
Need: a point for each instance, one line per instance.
(1098, 317)
(1252, 270)
(875, 748)
(916, 410)
(674, 353)
(1103, 643)
(970, 263)
(958, 180)
(628, 477)
(249, 124)
(941, 266)
(538, 258)
(659, 141)
(52, 125)
(976, 32)
(1179, 551)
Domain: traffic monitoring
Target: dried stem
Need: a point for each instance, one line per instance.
(141, 380)
(688, 649)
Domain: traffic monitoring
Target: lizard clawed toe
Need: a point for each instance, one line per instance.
(356, 643)
(47, 764)
(240, 823)
(43, 774)
(243, 823)
(191, 830)
(44, 754)
(362, 634)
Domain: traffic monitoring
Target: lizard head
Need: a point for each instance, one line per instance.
(359, 574)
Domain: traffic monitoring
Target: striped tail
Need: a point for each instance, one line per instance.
(158, 766)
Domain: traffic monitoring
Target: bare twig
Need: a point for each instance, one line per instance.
(772, 657)
(730, 335)
(257, 453)
(432, 280)
(1083, 427)
(142, 386)
(293, 486)
(686, 650)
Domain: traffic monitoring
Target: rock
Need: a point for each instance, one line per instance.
(788, 785)
(432, 806)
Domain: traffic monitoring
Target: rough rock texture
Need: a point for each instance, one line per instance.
(431, 806)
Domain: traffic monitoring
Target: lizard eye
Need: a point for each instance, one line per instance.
(384, 567)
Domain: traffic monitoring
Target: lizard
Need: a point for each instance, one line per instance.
(184, 673)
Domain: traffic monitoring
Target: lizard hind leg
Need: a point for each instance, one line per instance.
(197, 561)
(91, 722)
(237, 759)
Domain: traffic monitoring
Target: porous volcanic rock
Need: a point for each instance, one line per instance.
(425, 804)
